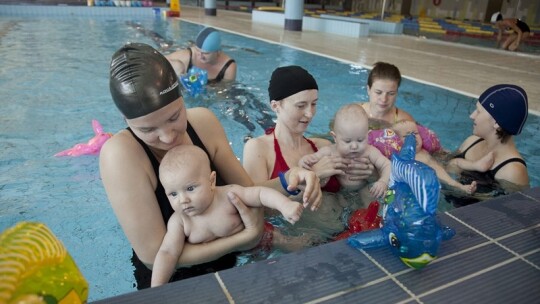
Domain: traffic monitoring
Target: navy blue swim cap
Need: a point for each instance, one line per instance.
(141, 80)
(208, 40)
(508, 105)
(289, 80)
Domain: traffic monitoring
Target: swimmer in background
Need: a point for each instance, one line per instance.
(521, 31)
(202, 211)
(207, 55)
(350, 133)
(406, 127)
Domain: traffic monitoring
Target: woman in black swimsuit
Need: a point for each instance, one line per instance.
(206, 54)
(501, 112)
(145, 89)
(521, 31)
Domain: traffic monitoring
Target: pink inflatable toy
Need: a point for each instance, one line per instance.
(93, 146)
(388, 142)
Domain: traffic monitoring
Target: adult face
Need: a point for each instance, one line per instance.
(483, 122)
(297, 111)
(382, 95)
(162, 129)
(206, 57)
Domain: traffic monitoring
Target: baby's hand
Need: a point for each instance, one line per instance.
(378, 189)
(308, 161)
(292, 211)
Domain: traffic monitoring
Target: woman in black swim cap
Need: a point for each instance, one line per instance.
(145, 89)
(501, 112)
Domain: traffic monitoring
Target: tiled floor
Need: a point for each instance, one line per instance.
(469, 70)
(493, 258)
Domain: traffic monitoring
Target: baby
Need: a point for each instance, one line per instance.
(202, 209)
(350, 133)
(406, 127)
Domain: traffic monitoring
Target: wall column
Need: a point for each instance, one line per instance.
(210, 7)
(294, 12)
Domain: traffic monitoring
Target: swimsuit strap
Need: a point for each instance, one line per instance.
(462, 155)
(161, 197)
(280, 164)
(313, 146)
(396, 115)
(198, 142)
(221, 73)
(504, 163)
(190, 64)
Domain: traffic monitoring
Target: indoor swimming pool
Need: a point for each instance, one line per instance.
(54, 81)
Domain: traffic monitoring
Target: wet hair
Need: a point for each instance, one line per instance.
(141, 80)
(384, 70)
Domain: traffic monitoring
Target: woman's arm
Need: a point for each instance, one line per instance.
(129, 181)
(179, 60)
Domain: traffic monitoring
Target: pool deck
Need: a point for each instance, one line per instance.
(493, 258)
(464, 69)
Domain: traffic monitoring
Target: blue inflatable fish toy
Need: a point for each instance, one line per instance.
(194, 81)
(410, 226)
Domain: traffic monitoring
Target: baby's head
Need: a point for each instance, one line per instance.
(350, 130)
(406, 127)
(186, 176)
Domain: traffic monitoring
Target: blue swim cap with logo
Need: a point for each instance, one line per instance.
(209, 40)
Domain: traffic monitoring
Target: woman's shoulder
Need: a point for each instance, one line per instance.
(121, 148)
(260, 142)
(403, 115)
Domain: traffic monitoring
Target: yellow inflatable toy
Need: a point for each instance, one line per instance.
(36, 268)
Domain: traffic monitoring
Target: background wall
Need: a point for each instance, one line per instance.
(481, 10)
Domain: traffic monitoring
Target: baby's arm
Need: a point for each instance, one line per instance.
(481, 165)
(169, 251)
(378, 189)
(307, 161)
(268, 197)
(447, 179)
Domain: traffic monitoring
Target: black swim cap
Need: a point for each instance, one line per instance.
(289, 80)
(141, 80)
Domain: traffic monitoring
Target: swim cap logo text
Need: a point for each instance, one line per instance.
(167, 90)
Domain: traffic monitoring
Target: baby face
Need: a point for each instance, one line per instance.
(351, 137)
(189, 190)
(408, 127)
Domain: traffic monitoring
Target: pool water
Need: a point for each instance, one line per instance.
(54, 81)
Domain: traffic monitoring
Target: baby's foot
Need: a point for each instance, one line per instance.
(485, 163)
(470, 189)
(292, 212)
